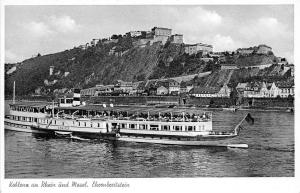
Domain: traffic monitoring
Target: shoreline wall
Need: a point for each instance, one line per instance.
(177, 100)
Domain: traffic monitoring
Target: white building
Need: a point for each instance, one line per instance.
(199, 47)
(161, 34)
(51, 69)
(177, 39)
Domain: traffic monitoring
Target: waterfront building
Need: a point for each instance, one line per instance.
(121, 85)
(183, 87)
(265, 90)
(286, 90)
(173, 85)
(104, 90)
(274, 91)
(162, 90)
(223, 91)
(204, 91)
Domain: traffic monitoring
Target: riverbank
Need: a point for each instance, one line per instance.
(165, 105)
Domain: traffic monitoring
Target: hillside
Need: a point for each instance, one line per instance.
(108, 61)
(99, 65)
(233, 77)
(255, 59)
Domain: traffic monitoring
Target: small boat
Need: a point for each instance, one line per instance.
(63, 133)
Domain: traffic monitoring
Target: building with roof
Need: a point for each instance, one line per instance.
(173, 85)
(265, 90)
(263, 49)
(274, 91)
(123, 86)
(286, 89)
(199, 47)
(161, 34)
(176, 39)
(104, 90)
(162, 90)
(223, 91)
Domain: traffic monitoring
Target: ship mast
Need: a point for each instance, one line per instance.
(14, 93)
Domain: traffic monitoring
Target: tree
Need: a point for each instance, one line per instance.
(114, 36)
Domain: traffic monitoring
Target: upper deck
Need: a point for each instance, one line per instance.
(139, 113)
(131, 113)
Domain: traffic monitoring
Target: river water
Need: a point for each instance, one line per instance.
(270, 153)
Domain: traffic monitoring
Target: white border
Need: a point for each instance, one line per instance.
(204, 184)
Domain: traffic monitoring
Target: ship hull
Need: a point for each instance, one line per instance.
(217, 143)
(23, 128)
(82, 134)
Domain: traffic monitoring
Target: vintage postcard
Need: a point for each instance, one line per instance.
(132, 97)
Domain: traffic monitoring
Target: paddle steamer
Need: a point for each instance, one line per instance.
(161, 125)
(176, 126)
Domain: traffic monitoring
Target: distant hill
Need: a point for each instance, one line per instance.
(104, 63)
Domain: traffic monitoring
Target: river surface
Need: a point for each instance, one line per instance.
(270, 153)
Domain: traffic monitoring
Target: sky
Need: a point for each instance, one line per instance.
(45, 29)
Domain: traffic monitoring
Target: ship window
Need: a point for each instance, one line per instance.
(98, 124)
(68, 101)
(142, 126)
(35, 119)
(55, 122)
(85, 124)
(191, 128)
(178, 128)
(78, 123)
(166, 127)
(63, 123)
(132, 126)
(123, 125)
(153, 127)
(91, 124)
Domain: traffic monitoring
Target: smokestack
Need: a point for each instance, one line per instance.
(76, 97)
